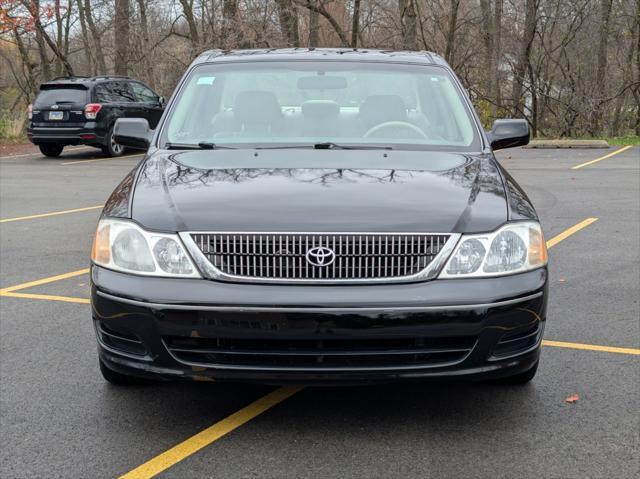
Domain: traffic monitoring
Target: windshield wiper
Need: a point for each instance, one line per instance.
(207, 145)
(203, 145)
(328, 145)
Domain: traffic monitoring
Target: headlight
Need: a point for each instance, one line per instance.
(124, 246)
(514, 248)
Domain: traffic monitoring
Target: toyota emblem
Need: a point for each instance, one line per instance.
(320, 256)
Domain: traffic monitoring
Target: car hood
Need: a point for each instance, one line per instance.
(318, 191)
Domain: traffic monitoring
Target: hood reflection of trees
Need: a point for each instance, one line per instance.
(177, 174)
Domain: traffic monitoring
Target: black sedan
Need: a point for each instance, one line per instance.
(319, 216)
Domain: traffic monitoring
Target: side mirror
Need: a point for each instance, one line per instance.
(508, 133)
(161, 101)
(133, 132)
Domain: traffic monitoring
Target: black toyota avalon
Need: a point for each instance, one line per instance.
(319, 216)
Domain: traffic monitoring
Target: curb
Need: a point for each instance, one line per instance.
(552, 144)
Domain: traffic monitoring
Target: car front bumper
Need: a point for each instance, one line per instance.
(205, 330)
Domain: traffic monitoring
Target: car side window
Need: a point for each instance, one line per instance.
(122, 92)
(114, 92)
(144, 94)
(102, 93)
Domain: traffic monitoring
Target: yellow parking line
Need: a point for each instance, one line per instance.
(46, 297)
(211, 434)
(39, 282)
(569, 231)
(53, 213)
(620, 150)
(66, 163)
(591, 347)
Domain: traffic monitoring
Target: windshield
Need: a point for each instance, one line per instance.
(303, 103)
(61, 94)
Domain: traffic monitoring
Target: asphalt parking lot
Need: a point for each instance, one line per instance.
(60, 419)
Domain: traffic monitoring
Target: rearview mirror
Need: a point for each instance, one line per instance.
(133, 133)
(508, 133)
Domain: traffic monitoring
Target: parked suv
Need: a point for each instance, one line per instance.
(82, 111)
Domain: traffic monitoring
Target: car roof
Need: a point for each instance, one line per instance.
(350, 54)
(84, 81)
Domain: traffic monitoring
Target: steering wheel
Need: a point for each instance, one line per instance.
(394, 125)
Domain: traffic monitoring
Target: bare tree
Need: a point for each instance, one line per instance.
(121, 41)
(522, 60)
(95, 36)
(451, 30)
(355, 24)
(146, 44)
(408, 20)
(318, 7)
(194, 35)
(601, 69)
(86, 45)
(288, 15)
(314, 27)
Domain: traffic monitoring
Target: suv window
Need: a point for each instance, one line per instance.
(114, 92)
(144, 94)
(51, 95)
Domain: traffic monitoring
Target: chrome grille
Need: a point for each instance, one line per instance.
(282, 256)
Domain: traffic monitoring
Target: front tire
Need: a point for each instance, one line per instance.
(119, 379)
(112, 148)
(51, 150)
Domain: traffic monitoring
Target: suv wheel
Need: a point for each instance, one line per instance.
(119, 379)
(51, 150)
(112, 148)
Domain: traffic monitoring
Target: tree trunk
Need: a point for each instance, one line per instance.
(146, 45)
(489, 55)
(231, 33)
(288, 16)
(497, 51)
(355, 24)
(408, 20)
(85, 39)
(42, 47)
(187, 8)
(451, 31)
(24, 55)
(636, 91)
(95, 35)
(314, 28)
(534, 100)
(67, 28)
(121, 40)
(522, 60)
(627, 79)
(58, 16)
(601, 69)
